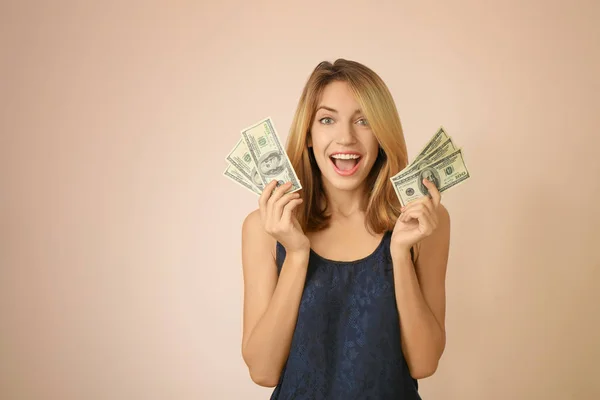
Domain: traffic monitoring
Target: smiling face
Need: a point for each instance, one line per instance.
(344, 146)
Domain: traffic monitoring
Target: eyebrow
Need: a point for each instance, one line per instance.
(357, 111)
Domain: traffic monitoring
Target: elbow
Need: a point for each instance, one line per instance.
(259, 376)
(424, 367)
(424, 370)
(264, 380)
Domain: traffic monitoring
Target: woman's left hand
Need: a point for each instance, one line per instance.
(418, 220)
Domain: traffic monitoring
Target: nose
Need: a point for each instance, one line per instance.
(345, 135)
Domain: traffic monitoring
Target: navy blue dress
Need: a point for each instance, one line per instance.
(346, 344)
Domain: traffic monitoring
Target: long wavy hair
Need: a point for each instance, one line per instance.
(381, 205)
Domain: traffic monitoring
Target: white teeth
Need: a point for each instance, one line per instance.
(346, 156)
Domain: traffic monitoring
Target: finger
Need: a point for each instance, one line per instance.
(424, 219)
(430, 206)
(410, 215)
(436, 196)
(266, 194)
(404, 216)
(289, 208)
(281, 203)
(423, 204)
(273, 215)
(278, 193)
(262, 202)
(418, 200)
(426, 204)
(419, 209)
(407, 215)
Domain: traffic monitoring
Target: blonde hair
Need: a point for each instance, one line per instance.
(381, 204)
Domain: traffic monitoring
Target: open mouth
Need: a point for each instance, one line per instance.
(345, 163)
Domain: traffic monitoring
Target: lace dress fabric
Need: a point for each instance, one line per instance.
(346, 344)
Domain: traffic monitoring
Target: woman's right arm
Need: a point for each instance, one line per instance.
(271, 302)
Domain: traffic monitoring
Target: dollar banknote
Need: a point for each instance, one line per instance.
(437, 153)
(445, 173)
(233, 173)
(269, 156)
(240, 158)
(436, 140)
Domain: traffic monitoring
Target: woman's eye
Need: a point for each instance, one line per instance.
(363, 121)
(326, 120)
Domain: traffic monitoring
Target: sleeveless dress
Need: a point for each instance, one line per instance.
(346, 344)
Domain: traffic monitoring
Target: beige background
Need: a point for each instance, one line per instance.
(120, 273)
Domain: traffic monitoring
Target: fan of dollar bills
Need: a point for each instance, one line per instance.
(258, 157)
(440, 162)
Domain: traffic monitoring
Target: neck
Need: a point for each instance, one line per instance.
(344, 203)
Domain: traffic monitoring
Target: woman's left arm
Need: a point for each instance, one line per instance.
(420, 286)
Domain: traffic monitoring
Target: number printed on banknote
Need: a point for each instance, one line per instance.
(269, 156)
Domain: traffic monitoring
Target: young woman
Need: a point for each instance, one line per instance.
(344, 290)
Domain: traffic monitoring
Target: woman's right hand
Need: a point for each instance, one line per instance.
(278, 219)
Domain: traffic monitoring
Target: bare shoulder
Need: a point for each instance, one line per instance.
(254, 238)
(251, 223)
(443, 212)
(443, 230)
(437, 244)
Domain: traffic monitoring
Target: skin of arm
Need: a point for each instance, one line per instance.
(271, 302)
(421, 299)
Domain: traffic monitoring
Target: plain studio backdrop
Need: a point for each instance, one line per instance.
(120, 273)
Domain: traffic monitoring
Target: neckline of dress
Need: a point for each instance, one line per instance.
(350, 262)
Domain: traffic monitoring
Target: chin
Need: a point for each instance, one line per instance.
(344, 185)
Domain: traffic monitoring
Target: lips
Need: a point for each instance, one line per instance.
(345, 163)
